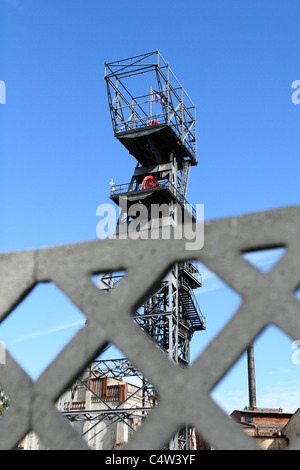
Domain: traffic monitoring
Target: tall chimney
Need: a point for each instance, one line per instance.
(251, 376)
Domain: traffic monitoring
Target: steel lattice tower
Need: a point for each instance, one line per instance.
(157, 125)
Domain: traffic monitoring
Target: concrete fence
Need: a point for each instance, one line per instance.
(267, 298)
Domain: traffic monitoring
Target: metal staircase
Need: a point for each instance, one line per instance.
(191, 309)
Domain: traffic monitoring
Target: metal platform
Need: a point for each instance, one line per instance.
(154, 144)
(164, 193)
(159, 116)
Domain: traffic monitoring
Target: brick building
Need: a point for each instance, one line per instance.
(265, 425)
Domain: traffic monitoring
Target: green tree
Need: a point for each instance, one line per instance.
(4, 402)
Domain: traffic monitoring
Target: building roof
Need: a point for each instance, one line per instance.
(264, 411)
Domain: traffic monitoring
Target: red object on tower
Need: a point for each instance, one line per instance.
(149, 182)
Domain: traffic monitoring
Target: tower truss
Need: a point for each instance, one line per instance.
(157, 125)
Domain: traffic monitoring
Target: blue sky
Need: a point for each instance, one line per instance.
(237, 61)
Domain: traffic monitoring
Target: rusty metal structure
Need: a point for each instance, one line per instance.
(154, 119)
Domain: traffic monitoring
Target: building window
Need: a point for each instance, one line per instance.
(248, 419)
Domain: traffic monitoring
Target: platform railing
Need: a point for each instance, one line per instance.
(117, 189)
